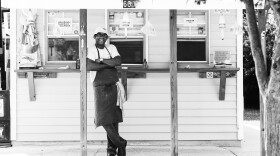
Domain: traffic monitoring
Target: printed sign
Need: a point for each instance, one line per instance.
(28, 60)
(126, 24)
(222, 58)
(7, 25)
(1, 108)
(65, 24)
(190, 21)
(1, 132)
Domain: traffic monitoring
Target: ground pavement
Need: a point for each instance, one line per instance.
(250, 147)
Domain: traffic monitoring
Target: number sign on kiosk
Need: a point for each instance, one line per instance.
(128, 4)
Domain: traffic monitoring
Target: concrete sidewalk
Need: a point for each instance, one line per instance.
(250, 147)
(251, 143)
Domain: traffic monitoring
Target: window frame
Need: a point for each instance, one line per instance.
(143, 37)
(46, 61)
(194, 37)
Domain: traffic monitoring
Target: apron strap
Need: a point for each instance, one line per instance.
(99, 54)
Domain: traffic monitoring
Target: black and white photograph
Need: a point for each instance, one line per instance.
(140, 78)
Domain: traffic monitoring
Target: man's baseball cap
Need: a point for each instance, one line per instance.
(100, 30)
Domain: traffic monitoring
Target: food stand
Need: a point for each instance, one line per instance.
(209, 108)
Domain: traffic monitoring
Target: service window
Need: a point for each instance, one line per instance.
(192, 36)
(130, 50)
(62, 36)
(124, 27)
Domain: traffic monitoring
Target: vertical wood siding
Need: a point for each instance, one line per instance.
(54, 116)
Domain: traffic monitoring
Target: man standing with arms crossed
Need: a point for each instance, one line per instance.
(101, 62)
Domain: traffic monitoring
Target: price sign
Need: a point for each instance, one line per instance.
(128, 4)
(190, 22)
(221, 57)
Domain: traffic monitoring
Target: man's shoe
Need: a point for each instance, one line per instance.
(122, 150)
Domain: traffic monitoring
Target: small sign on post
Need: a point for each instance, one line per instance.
(1, 108)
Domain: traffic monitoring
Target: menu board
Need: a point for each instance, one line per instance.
(126, 23)
(63, 23)
(191, 23)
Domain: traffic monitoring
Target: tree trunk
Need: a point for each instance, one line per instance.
(273, 93)
(262, 18)
(256, 47)
(272, 125)
(269, 87)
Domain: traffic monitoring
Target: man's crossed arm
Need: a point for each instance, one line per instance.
(107, 63)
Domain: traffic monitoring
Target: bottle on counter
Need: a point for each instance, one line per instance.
(145, 64)
(78, 64)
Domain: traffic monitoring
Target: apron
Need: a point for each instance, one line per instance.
(106, 109)
(105, 96)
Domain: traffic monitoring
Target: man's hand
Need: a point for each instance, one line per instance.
(99, 60)
(116, 61)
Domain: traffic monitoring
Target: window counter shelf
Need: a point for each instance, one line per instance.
(221, 73)
(48, 70)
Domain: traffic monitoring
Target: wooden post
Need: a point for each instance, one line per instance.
(173, 83)
(262, 106)
(83, 80)
(1, 49)
(222, 85)
(8, 75)
(31, 86)
(2, 56)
